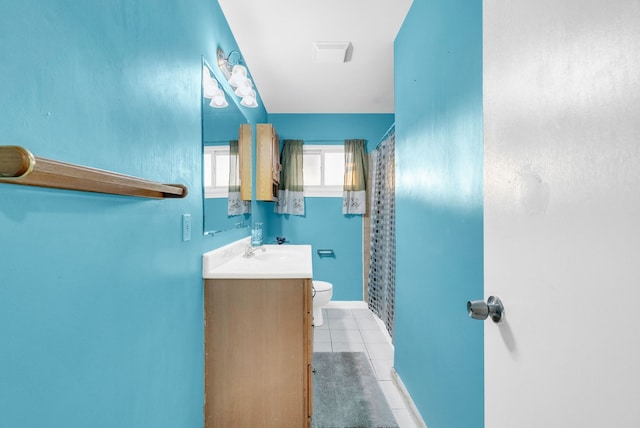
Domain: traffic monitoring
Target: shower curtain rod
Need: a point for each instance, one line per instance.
(391, 129)
(335, 140)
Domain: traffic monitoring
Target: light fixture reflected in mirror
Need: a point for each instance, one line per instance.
(219, 101)
(212, 91)
(237, 77)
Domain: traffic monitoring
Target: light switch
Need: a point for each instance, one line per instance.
(186, 227)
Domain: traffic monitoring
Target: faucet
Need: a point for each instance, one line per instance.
(250, 251)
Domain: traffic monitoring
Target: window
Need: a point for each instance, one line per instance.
(216, 171)
(323, 169)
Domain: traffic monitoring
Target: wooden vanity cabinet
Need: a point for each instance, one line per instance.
(258, 352)
(244, 153)
(267, 162)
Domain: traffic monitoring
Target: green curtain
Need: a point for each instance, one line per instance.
(291, 189)
(234, 161)
(356, 164)
(235, 205)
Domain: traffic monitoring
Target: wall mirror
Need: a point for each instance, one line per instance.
(221, 120)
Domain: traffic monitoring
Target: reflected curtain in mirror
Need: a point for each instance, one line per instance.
(291, 190)
(354, 198)
(236, 206)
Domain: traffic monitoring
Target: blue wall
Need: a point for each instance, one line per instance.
(100, 299)
(438, 86)
(323, 225)
(217, 218)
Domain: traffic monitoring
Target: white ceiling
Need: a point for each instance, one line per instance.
(276, 40)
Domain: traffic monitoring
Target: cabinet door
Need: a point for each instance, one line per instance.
(308, 340)
(256, 355)
(267, 159)
(244, 152)
(275, 162)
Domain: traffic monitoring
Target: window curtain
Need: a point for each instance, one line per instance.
(236, 206)
(382, 252)
(291, 190)
(354, 196)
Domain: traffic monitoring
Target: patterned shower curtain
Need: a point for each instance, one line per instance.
(382, 269)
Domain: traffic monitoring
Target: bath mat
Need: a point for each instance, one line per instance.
(346, 393)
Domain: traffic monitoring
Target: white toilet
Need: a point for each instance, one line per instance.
(322, 292)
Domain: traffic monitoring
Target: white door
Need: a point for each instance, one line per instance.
(562, 212)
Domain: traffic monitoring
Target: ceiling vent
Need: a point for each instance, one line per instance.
(331, 52)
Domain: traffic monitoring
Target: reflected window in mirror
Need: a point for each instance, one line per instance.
(221, 167)
(216, 171)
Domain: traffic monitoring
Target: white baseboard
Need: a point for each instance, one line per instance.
(343, 304)
(383, 329)
(413, 410)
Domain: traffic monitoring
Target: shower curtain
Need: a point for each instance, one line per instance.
(382, 268)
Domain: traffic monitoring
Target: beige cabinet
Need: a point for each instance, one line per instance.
(245, 152)
(258, 351)
(267, 162)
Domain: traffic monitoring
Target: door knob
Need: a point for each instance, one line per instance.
(479, 310)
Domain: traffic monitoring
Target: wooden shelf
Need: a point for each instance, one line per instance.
(19, 166)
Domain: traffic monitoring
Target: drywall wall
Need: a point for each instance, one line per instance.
(439, 220)
(100, 298)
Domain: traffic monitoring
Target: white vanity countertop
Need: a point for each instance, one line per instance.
(276, 261)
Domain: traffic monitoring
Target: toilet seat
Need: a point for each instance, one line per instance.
(321, 286)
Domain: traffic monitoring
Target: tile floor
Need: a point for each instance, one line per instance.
(358, 330)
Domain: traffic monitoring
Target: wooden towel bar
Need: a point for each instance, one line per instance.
(19, 166)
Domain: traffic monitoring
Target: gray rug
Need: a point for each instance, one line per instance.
(346, 393)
